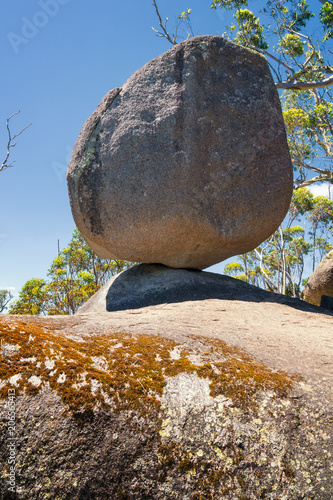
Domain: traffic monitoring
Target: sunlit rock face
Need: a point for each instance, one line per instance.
(320, 282)
(187, 164)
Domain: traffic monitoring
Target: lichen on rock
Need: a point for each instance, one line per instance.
(120, 415)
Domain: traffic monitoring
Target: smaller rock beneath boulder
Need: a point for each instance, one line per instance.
(147, 285)
(320, 282)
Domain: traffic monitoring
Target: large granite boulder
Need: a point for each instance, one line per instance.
(188, 163)
(320, 282)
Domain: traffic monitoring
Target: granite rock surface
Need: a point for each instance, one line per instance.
(320, 282)
(187, 164)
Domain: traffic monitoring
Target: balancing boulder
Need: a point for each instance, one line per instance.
(187, 164)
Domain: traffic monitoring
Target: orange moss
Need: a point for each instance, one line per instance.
(133, 370)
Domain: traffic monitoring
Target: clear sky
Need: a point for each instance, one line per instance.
(58, 59)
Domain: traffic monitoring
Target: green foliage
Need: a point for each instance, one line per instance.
(251, 31)
(308, 117)
(32, 298)
(301, 203)
(326, 17)
(278, 263)
(295, 59)
(185, 15)
(228, 4)
(299, 63)
(5, 298)
(292, 45)
(74, 276)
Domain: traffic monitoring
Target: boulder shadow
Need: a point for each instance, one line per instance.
(152, 284)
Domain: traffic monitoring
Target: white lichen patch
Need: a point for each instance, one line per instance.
(9, 349)
(95, 386)
(62, 378)
(116, 346)
(14, 379)
(82, 381)
(196, 359)
(28, 360)
(107, 399)
(100, 363)
(187, 389)
(182, 395)
(175, 353)
(49, 364)
(35, 381)
(31, 338)
(3, 383)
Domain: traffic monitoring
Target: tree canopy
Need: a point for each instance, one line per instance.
(295, 37)
(297, 43)
(300, 63)
(74, 276)
(278, 263)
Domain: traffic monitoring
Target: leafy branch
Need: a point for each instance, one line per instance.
(184, 18)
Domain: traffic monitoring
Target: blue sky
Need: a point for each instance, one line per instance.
(58, 59)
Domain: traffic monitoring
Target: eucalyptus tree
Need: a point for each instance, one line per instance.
(73, 277)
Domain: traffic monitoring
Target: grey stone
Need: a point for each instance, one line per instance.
(326, 301)
(152, 284)
(320, 282)
(155, 417)
(188, 163)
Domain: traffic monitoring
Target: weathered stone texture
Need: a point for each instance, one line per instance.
(188, 163)
(320, 282)
(121, 416)
(150, 284)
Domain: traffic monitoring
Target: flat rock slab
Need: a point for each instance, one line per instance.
(147, 285)
(220, 399)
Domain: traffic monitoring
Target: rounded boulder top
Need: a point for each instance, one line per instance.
(187, 164)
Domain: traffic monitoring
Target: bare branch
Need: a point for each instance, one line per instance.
(10, 143)
(299, 163)
(328, 177)
(305, 85)
(268, 54)
(164, 33)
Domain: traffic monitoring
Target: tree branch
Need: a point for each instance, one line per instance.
(305, 85)
(10, 143)
(327, 177)
(164, 33)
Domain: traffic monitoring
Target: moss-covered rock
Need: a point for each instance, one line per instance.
(133, 416)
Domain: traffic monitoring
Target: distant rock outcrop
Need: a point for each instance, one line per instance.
(320, 282)
(188, 163)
